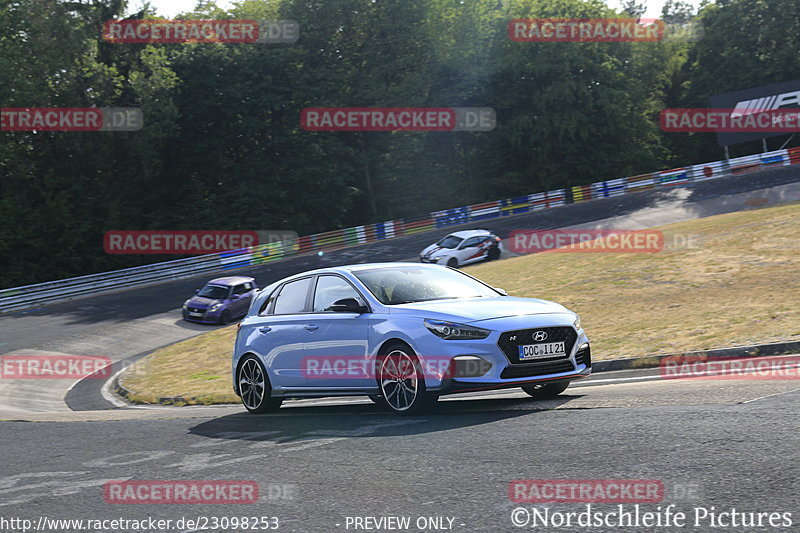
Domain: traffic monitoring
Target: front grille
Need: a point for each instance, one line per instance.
(510, 340)
(528, 370)
(584, 357)
(195, 310)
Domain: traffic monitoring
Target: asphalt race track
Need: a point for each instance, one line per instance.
(721, 444)
(329, 465)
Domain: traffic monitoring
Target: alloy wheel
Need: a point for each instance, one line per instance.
(251, 384)
(399, 380)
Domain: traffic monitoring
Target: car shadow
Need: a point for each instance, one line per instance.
(308, 423)
(199, 326)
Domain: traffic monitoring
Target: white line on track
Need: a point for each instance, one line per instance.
(770, 396)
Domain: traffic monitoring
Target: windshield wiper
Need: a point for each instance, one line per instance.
(425, 300)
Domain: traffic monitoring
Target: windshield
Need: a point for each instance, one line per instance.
(215, 292)
(451, 241)
(399, 285)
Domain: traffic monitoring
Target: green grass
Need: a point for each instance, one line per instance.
(740, 286)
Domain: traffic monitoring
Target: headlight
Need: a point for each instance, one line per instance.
(577, 322)
(185, 304)
(453, 331)
(215, 307)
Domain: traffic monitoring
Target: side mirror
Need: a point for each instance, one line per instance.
(501, 291)
(234, 296)
(196, 291)
(348, 305)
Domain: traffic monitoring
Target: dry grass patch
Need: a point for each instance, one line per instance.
(740, 286)
(197, 370)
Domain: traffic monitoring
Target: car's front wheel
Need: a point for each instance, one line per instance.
(254, 387)
(543, 391)
(452, 262)
(402, 381)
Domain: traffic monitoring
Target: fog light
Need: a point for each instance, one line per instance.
(468, 366)
(584, 355)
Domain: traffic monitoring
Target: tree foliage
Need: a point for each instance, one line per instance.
(222, 146)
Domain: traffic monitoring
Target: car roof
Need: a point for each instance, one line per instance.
(357, 268)
(471, 233)
(231, 280)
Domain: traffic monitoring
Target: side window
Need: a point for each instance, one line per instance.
(472, 241)
(241, 289)
(266, 307)
(292, 298)
(330, 289)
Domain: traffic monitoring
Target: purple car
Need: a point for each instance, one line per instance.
(220, 300)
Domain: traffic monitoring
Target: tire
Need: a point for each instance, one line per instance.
(543, 391)
(254, 387)
(452, 262)
(494, 253)
(402, 381)
(225, 317)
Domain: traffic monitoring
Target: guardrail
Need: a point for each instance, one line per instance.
(32, 295)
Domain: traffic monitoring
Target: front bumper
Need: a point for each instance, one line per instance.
(506, 371)
(208, 317)
(453, 386)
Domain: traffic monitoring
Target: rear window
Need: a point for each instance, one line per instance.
(292, 298)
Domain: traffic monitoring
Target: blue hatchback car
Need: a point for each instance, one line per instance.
(402, 334)
(220, 300)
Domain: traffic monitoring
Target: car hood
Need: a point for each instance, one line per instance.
(201, 302)
(433, 249)
(478, 309)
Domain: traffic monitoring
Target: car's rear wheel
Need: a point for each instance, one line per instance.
(402, 381)
(254, 387)
(452, 262)
(543, 391)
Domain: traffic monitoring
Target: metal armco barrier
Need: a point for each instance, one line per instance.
(32, 295)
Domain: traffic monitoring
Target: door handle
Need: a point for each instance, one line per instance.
(265, 329)
(312, 327)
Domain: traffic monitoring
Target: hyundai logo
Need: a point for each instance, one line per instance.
(539, 336)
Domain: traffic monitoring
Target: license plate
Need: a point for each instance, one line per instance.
(541, 351)
(196, 314)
